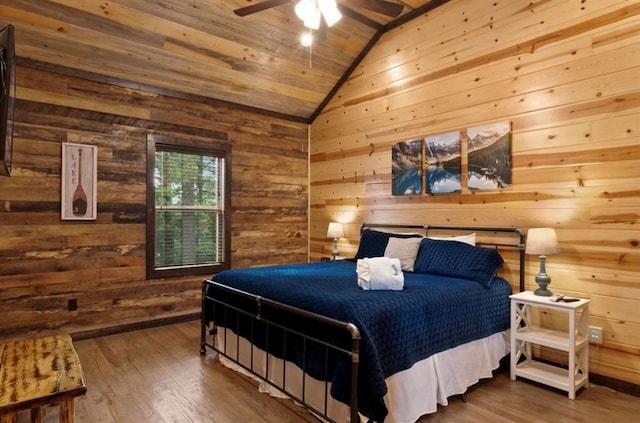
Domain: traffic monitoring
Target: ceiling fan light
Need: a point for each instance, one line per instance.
(306, 39)
(304, 9)
(314, 18)
(330, 11)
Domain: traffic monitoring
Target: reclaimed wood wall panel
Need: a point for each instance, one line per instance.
(196, 48)
(101, 263)
(566, 75)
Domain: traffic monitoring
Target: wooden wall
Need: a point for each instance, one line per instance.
(566, 74)
(44, 261)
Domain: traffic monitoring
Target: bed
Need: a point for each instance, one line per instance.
(310, 332)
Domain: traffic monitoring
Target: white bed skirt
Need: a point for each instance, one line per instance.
(411, 393)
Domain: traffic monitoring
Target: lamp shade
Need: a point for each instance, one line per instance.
(304, 9)
(335, 230)
(312, 11)
(330, 11)
(542, 242)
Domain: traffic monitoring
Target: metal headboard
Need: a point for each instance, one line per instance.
(518, 243)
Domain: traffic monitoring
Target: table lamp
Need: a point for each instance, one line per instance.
(542, 242)
(335, 231)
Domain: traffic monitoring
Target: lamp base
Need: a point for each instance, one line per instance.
(543, 280)
(543, 292)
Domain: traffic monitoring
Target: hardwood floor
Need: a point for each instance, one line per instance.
(158, 375)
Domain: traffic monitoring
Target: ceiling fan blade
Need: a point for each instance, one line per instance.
(379, 6)
(358, 17)
(258, 7)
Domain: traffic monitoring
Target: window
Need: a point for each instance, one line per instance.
(187, 203)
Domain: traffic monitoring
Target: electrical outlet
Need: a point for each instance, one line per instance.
(595, 335)
(72, 304)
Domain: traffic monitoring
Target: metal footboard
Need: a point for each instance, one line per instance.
(259, 311)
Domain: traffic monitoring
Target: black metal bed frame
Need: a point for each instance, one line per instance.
(260, 305)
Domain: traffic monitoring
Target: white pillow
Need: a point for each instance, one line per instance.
(467, 239)
(405, 249)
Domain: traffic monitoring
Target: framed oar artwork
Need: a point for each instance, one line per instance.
(79, 181)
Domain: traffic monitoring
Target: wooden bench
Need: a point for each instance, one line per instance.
(39, 372)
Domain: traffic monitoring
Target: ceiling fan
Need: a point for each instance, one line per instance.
(311, 11)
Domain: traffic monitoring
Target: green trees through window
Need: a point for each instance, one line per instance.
(188, 210)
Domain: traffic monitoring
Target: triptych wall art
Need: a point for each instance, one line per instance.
(443, 165)
(406, 167)
(439, 158)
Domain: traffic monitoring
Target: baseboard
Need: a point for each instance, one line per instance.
(96, 333)
(615, 384)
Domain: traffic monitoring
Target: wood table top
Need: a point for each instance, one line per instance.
(35, 372)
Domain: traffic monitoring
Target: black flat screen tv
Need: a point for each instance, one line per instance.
(7, 96)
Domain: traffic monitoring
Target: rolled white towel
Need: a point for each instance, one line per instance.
(380, 273)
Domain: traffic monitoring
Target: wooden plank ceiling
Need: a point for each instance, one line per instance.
(200, 48)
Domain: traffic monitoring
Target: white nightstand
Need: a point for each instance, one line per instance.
(574, 342)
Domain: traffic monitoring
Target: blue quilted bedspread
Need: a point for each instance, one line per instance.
(398, 328)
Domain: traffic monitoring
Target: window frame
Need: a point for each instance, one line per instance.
(173, 144)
